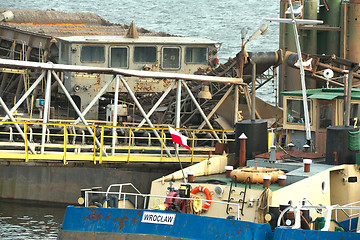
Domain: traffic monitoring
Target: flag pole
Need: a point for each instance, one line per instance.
(179, 139)
(182, 170)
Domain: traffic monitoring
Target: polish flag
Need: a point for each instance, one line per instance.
(178, 138)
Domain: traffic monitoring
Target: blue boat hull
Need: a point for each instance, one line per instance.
(110, 223)
(301, 234)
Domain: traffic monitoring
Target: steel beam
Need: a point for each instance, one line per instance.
(236, 104)
(46, 110)
(23, 98)
(123, 72)
(178, 104)
(137, 103)
(79, 113)
(217, 106)
(201, 111)
(157, 103)
(91, 104)
(116, 100)
(253, 91)
(16, 125)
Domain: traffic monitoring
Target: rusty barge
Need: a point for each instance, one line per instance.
(80, 92)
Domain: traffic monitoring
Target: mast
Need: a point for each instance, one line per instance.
(293, 21)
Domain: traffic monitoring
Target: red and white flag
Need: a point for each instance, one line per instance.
(178, 138)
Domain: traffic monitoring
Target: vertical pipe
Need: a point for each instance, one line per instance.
(26, 143)
(288, 77)
(65, 142)
(302, 76)
(178, 104)
(177, 111)
(242, 154)
(344, 27)
(46, 110)
(353, 49)
(348, 97)
(253, 90)
(115, 113)
(236, 103)
(310, 36)
(329, 41)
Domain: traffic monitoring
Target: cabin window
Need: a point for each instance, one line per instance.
(354, 114)
(64, 53)
(196, 55)
(145, 54)
(295, 111)
(325, 118)
(171, 58)
(119, 57)
(93, 54)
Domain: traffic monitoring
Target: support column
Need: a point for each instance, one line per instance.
(46, 110)
(253, 98)
(178, 104)
(236, 103)
(116, 100)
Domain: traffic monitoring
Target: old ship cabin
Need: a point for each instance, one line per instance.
(326, 108)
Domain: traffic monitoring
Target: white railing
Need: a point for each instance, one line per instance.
(327, 213)
(122, 196)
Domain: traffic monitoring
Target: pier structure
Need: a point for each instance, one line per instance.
(43, 146)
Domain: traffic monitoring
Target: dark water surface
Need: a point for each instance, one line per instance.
(213, 19)
(23, 220)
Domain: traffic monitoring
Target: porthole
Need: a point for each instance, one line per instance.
(352, 179)
(323, 187)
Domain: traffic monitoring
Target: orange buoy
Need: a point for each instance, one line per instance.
(256, 174)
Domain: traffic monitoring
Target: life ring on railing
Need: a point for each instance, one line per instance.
(208, 197)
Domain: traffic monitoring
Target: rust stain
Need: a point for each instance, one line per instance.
(122, 222)
(134, 220)
(95, 215)
(233, 223)
(138, 213)
(246, 227)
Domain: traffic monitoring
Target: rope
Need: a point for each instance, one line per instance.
(263, 206)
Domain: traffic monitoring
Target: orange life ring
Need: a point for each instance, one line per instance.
(208, 196)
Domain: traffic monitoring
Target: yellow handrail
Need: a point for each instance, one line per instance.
(81, 146)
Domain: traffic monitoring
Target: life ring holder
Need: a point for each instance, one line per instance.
(208, 197)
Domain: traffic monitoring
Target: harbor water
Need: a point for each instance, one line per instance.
(216, 20)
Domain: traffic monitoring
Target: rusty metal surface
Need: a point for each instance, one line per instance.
(59, 24)
(72, 235)
(282, 155)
